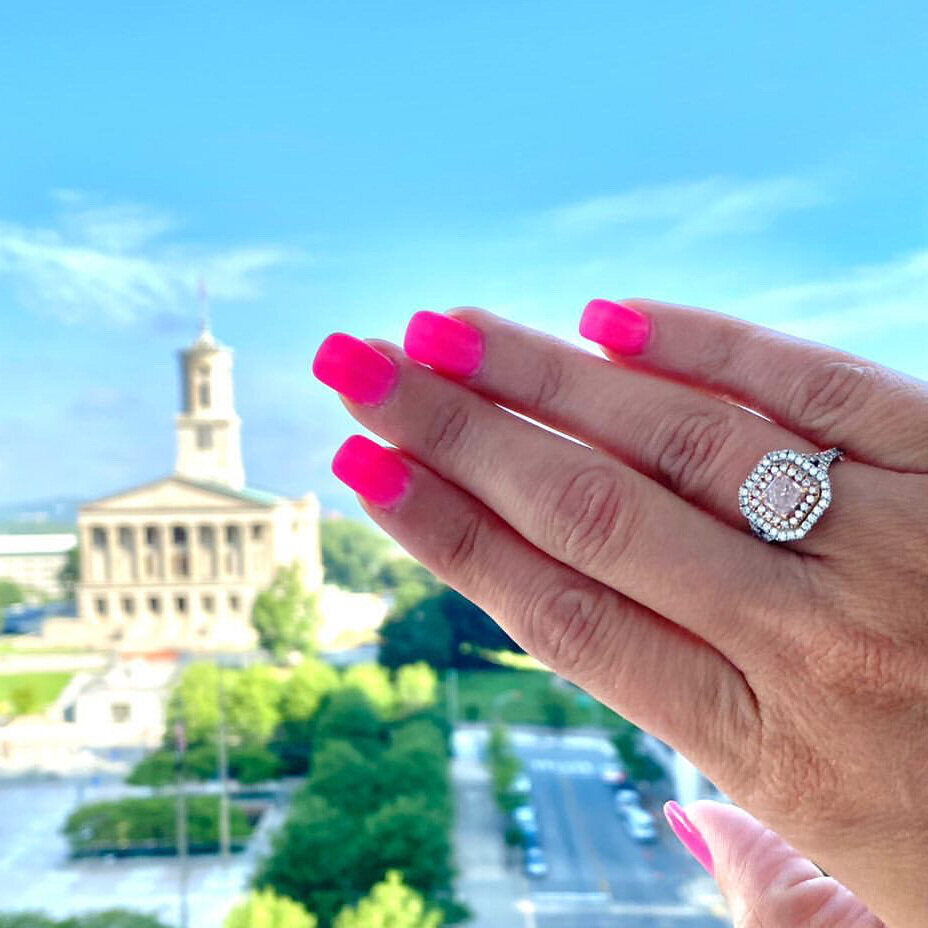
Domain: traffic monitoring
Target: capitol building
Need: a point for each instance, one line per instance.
(176, 564)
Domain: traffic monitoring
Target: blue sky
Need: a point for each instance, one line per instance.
(340, 165)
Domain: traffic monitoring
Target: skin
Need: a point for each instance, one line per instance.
(795, 676)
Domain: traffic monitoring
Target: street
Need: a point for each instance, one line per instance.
(597, 876)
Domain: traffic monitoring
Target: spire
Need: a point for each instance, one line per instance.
(206, 338)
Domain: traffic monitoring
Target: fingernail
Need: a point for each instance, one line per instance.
(445, 343)
(354, 369)
(689, 835)
(615, 326)
(378, 474)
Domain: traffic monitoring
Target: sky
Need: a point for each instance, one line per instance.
(339, 165)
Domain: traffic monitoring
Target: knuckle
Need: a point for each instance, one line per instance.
(448, 429)
(461, 551)
(830, 392)
(562, 625)
(688, 448)
(589, 515)
(550, 381)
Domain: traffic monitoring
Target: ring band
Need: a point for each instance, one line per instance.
(787, 493)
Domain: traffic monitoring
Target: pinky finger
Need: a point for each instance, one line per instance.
(643, 666)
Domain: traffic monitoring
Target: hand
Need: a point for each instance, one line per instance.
(795, 676)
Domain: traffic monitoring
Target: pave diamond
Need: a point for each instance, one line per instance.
(782, 495)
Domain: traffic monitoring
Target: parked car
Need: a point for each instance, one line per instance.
(625, 798)
(612, 774)
(522, 784)
(639, 823)
(534, 862)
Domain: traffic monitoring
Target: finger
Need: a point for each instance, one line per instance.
(830, 398)
(641, 665)
(697, 445)
(764, 880)
(579, 505)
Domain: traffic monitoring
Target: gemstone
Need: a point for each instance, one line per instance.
(782, 495)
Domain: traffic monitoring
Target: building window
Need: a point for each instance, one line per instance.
(234, 602)
(204, 437)
(128, 605)
(204, 394)
(99, 538)
(154, 604)
(125, 537)
(121, 712)
(101, 606)
(232, 534)
(209, 604)
(180, 535)
(180, 604)
(257, 532)
(151, 535)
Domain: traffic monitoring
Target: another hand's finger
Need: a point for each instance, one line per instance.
(765, 881)
(824, 395)
(641, 665)
(584, 508)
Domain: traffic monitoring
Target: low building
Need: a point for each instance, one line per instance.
(34, 559)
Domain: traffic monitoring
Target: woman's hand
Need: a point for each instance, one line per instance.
(795, 676)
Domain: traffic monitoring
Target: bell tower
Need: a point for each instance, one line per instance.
(209, 431)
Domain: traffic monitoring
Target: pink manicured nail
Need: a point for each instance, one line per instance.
(447, 344)
(615, 326)
(354, 369)
(378, 474)
(688, 834)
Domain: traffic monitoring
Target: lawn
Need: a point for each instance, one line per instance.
(45, 687)
(524, 697)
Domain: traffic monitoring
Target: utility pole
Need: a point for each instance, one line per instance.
(224, 834)
(180, 828)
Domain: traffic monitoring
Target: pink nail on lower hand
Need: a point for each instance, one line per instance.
(378, 474)
(445, 343)
(688, 835)
(615, 326)
(354, 369)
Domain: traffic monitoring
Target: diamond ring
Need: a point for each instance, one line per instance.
(787, 493)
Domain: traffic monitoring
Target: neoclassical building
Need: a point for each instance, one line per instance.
(177, 563)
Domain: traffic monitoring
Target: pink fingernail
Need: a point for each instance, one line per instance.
(379, 474)
(689, 835)
(615, 326)
(354, 369)
(445, 343)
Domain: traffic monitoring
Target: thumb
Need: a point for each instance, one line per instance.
(764, 880)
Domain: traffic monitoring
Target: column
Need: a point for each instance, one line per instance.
(219, 530)
(86, 559)
(138, 535)
(108, 553)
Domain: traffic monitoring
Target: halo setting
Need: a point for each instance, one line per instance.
(787, 493)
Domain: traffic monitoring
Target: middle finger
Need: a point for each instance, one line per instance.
(578, 504)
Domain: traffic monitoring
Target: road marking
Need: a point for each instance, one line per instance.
(555, 903)
(581, 830)
(572, 768)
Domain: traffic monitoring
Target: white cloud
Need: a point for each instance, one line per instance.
(116, 262)
(689, 210)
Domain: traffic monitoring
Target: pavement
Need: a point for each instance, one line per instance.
(36, 873)
(597, 876)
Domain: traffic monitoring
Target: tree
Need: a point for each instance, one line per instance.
(10, 593)
(265, 909)
(285, 616)
(390, 904)
(303, 691)
(344, 778)
(555, 706)
(415, 631)
(640, 766)
(252, 703)
(405, 574)
(253, 763)
(24, 699)
(352, 554)
(349, 715)
(416, 686)
(374, 682)
(70, 573)
(110, 918)
(195, 702)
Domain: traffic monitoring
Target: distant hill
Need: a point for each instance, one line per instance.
(50, 515)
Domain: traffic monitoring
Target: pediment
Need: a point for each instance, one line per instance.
(171, 493)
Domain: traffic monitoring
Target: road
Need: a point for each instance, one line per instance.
(597, 876)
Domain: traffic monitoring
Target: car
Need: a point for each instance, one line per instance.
(625, 798)
(639, 824)
(612, 774)
(534, 862)
(522, 785)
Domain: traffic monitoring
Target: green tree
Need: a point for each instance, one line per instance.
(70, 573)
(285, 616)
(349, 715)
(195, 702)
(265, 909)
(252, 703)
(112, 918)
(24, 699)
(405, 574)
(640, 766)
(344, 778)
(555, 706)
(303, 691)
(417, 629)
(416, 686)
(352, 554)
(253, 763)
(390, 904)
(374, 682)
(10, 593)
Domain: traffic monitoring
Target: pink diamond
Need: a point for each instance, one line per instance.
(783, 495)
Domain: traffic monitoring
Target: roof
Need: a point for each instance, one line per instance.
(246, 494)
(38, 543)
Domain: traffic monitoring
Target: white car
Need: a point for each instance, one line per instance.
(640, 825)
(534, 863)
(625, 798)
(522, 784)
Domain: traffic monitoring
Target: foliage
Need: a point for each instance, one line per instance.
(155, 769)
(344, 778)
(390, 904)
(352, 554)
(374, 682)
(285, 616)
(195, 702)
(349, 715)
(504, 768)
(149, 823)
(24, 699)
(304, 690)
(252, 703)
(265, 909)
(640, 766)
(253, 763)
(407, 578)
(70, 573)
(248, 763)
(110, 918)
(416, 686)
(556, 704)
(10, 593)
(32, 692)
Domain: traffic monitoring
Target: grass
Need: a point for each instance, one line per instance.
(46, 687)
(485, 694)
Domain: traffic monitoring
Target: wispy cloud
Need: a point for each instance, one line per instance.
(689, 210)
(117, 262)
